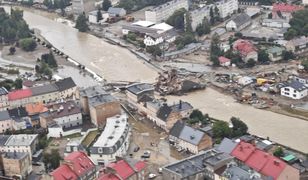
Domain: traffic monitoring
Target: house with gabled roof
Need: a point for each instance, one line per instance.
(246, 49)
(239, 22)
(293, 89)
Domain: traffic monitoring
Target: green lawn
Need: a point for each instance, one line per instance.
(90, 138)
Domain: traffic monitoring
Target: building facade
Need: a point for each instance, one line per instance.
(294, 89)
(227, 7)
(3, 98)
(17, 164)
(198, 15)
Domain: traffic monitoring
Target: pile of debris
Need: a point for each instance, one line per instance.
(170, 82)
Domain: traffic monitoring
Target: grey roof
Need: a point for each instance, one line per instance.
(164, 112)
(227, 145)
(65, 84)
(113, 10)
(188, 85)
(21, 140)
(241, 19)
(300, 41)
(3, 139)
(210, 159)
(177, 129)
(295, 85)
(15, 155)
(101, 99)
(139, 29)
(181, 106)
(3, 91)
(92, 91)
(4, 115)
(236, 173)
(191, 135)
(263, 146)
(247, 138)
(18, 113)
(62, 109)
(45, 89)
(139, 88)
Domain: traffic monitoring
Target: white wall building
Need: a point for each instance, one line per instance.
(305, 2)
(198, 15)
(227, 7)
(275, 23)
(114, 141)
(164, 11)
(294, 89)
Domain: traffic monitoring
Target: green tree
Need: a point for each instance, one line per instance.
(52, 159)
(81, 23)
(204, 27)
(196, 114)
(99, 15)
(182, 41)
(221, 130)
(12, 50)
(287, 55)
(132, 36)
(239, 127)
(154, 50)
(212, 18)
(215, 50)
(27, 44)
(263, 56)
(270, 16)
(177, 19)
(188, 27)
(290, 34)
(18, 83)
(305, 64)
(106, 5)
(49, 59)
(278, 152)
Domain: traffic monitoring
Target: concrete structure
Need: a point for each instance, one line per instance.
(116, 12)
(45, 93)
(6, 122)
(298, 45)
(275, 23)
(3, 98)
(164, 11)
(189, 139)
(200, 166)
(16, 164)
(83, 6)
(197, 16)
(114, 141)
(86, 93)
(227, 7)
(238, 23)
(136, 91)
(294, 89)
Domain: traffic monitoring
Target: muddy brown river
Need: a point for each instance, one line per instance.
(115, 63)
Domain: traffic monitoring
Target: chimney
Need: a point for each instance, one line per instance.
(180, 104)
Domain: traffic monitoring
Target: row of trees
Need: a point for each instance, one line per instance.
(299, 24)
(10, 84)
(198, 117)
(133, 5)
(13, 27)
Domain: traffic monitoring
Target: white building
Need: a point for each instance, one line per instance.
(114, 141)
(116, 12)
(164, 11)
(238, 23)
(198, 15)
(275, 23)
(305, 2)
(227, 7)
(294, 89)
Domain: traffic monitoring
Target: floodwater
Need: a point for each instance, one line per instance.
(292, 132)
(118, 64)
(112, 62)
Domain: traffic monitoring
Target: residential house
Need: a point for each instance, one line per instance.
(66, 87)
(235, 172)
(3, 98)
(45, 93)
(116, 12)
(83, 6)
(239, 22)
(200, 166)
(300, 78)
(76, 166)
(223, 61)
(305, 2)
(19, 97)
(284, 10)
(227, 145)
(269, 166)
(275, 23)
(164, 11)
(113, 141)
(184, 137)
(275, 53)
(16, 164)
(20, 143)
(227, 7)
(92, 17)
(3, 140)
(198, 15)
(73, 146)
(246, 49)
(34, 110)
(6, 122)
(164, 34)
(136, 91)
(298, 45)
(20, 117)
(183, 108)
(293, 89)
(123, 169)
(252, 12)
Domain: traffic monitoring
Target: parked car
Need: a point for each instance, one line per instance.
(152, 176)
(136, 149)
(146, 154)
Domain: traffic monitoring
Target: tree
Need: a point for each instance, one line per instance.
(188, 27)
(278, 152)
(250, 63)
(215, 50)
(18, 83)
(221, 130)
(305, 64)
(49, 59)
(81, 23)
(154, 50)
(99, 15)
(196, 114)
(177, 19)
(287, 55)
(299, 24)
(263, 56)
(212, 18)
(239, 127)
(290, 34)
(12, 50)
(182, 41)
(52, 159)
(132, 36)
(27, 44)
(238, 35)
(204, 27)
(106, 5)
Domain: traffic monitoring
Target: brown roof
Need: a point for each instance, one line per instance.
(36, 108)
(62, 109)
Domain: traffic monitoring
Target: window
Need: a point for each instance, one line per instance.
(287, 93)
(286, 89)
(294, 95)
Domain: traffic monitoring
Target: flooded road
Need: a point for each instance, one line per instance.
(112, 62)
(115, 63)
(292, 132)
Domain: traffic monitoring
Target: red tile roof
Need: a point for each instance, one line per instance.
(139, 166)
(274, 167)
(282, 7)
(244, 47)
(222, 59)
(123, 169)
(243, 150)
(36, 108)
(108, 177)
(258, 160)
(19, 94)
(63, 173)
(79, 163)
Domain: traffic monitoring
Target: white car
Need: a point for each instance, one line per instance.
(152, 176)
